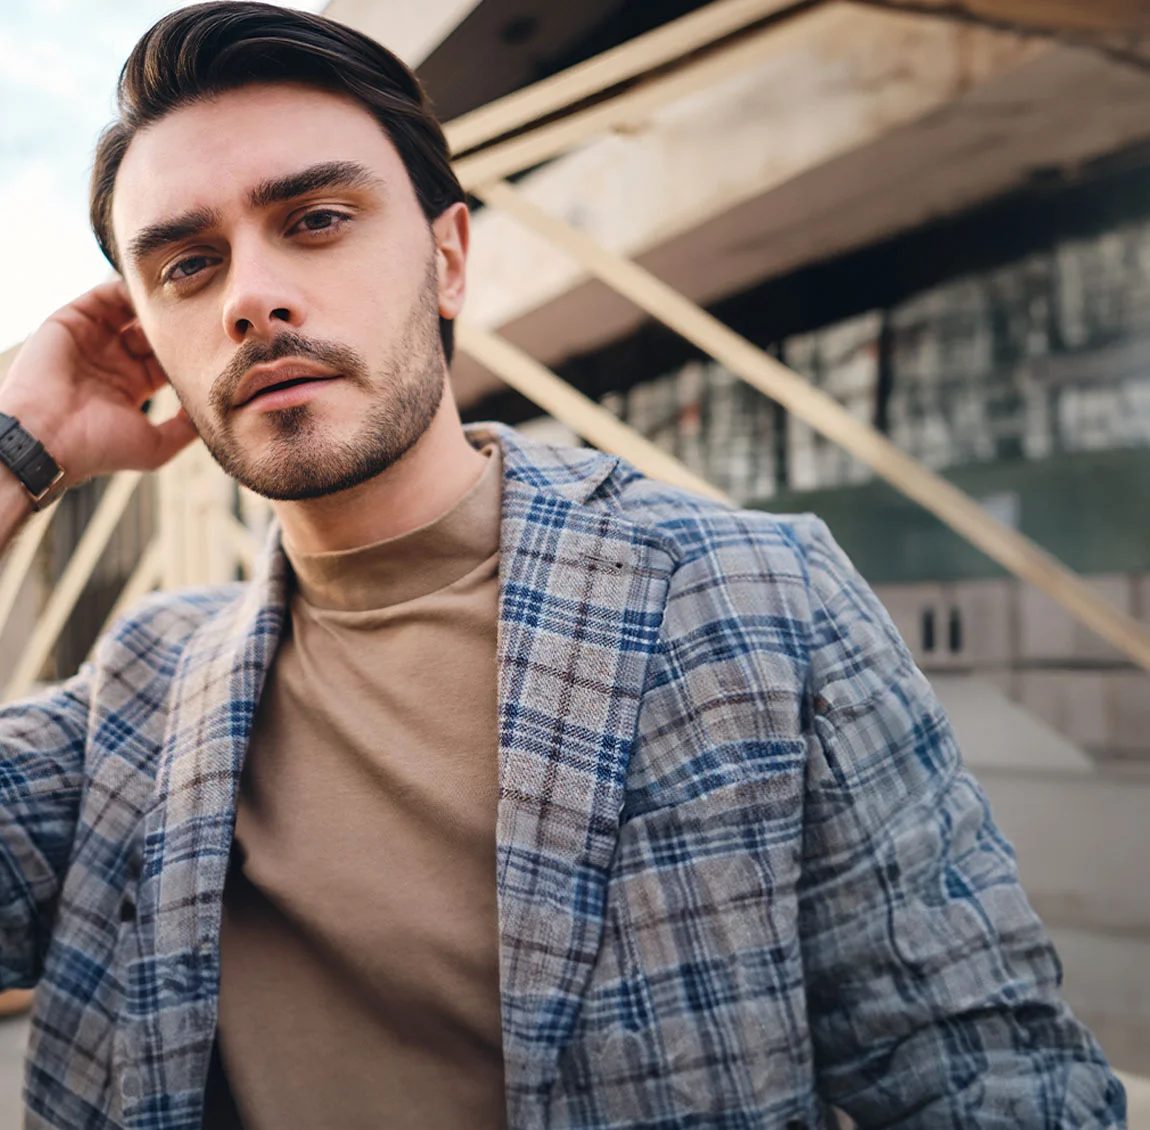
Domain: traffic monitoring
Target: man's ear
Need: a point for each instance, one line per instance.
(452, 232)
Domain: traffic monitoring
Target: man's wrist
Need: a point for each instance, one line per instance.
(24, 457)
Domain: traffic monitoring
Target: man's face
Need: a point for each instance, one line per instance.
(289, 284)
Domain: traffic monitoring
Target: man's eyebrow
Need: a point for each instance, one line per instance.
(277, 190)
(155, 236)
(331, 174)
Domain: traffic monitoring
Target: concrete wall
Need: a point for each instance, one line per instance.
(1044, 357)
(1016, 638)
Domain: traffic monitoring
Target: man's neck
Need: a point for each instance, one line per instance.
(425, 483)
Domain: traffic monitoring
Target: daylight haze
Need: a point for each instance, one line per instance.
(59, 60)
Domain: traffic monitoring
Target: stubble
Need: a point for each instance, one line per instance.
(304, 460)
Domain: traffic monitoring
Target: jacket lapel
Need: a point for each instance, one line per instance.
(582, 595)
(189, 826)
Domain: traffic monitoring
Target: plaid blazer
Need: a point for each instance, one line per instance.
(741, 870)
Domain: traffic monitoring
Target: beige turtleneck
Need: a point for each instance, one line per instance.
(359, 945)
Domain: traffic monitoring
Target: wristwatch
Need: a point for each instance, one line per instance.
(42, 477)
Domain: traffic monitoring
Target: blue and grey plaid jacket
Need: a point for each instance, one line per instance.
(741, 871)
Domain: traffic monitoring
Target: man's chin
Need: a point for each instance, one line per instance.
(303, 469)
(302, 482)
(299, 453)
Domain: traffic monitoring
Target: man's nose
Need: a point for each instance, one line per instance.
(261, 296)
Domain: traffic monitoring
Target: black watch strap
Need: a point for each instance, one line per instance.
(27, 459)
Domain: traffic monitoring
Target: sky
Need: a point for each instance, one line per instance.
(59, 60)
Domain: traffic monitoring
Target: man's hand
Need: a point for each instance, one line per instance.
(78, 385)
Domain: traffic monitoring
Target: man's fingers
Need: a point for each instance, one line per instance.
(108, 304)
(114, 292)
(135, 344)
(172, 436)
(138, 359)
(157, 378)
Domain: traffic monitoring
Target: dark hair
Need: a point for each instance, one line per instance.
(206, 49)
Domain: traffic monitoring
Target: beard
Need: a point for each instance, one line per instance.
(303, 460)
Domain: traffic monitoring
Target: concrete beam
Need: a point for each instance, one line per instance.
(1077, 17)
(867, 124)
(412, 31)
(1120, 28)
(666, 45)
(839, 78)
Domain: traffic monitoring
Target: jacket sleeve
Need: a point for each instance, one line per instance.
(933, 991)
(42, 742)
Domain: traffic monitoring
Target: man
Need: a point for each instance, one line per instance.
(516, 789)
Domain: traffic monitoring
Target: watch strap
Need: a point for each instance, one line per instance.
(26, 457)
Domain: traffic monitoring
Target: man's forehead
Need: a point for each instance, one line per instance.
(216, 153)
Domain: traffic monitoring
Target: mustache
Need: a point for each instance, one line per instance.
(343, 359)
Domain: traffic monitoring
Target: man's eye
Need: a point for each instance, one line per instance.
(321, 220)
(188, 267)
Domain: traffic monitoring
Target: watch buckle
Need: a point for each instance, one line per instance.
(50, 493)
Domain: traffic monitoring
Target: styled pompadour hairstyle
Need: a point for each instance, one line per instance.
(204, 50)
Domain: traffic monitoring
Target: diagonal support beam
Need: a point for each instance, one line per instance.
(145, 577)
(19, 562)
(113, 503)
(580, 413)
(1013, 551)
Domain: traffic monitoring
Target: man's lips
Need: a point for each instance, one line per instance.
(261, 380)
